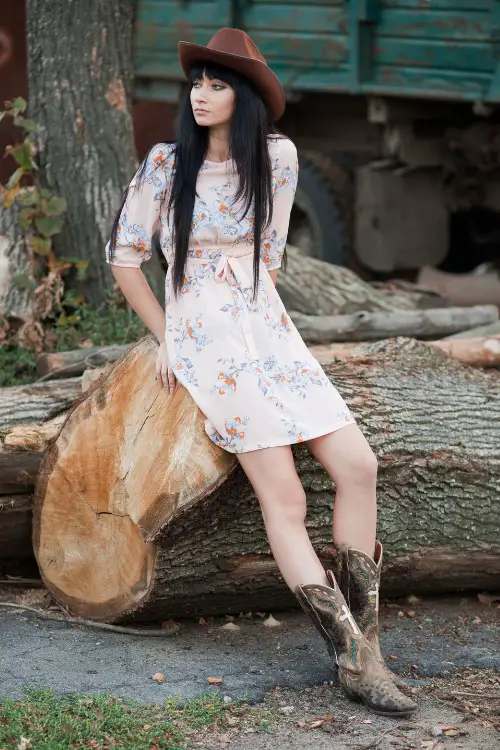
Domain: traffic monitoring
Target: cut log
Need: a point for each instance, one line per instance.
(464, 288)
(15, 527)
(314, 287)
(21, 451)
(483, 351)
(378, 325)
(488, 330)
(139, 516)
(76, 361)
(36, 402)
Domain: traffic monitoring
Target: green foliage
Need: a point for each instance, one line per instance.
(80, 325)
(41, 216)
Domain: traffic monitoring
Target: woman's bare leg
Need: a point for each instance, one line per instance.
(272, 474)
(351, 463)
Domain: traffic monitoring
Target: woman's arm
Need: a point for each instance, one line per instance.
(141, 299)
(285, 174)
(274, 275)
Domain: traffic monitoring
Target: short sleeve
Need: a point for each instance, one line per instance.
(285, 175)
(139, 217)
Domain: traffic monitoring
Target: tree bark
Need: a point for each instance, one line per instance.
(481, 351)
(14, 265)
(364, 326)
(314, 287)
(21, 451)
(15, 527)
(36, 402)
(80, 73)
(184, 535)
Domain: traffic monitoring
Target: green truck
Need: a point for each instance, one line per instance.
(393, 105)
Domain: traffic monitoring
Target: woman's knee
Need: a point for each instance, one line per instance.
(285, 503)
(361, 468)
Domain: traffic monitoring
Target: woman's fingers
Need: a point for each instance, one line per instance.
(158, 371)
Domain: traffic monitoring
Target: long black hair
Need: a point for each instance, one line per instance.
(249, 129)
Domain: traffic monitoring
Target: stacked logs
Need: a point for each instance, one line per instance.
(137, 514)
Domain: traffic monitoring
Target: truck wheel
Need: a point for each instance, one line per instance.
(321, 220)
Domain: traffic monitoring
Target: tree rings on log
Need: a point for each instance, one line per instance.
(129, 458)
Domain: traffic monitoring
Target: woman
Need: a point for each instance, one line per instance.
(221, 198)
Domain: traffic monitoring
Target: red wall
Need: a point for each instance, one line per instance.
(153, 121)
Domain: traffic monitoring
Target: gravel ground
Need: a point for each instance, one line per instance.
(448, 649)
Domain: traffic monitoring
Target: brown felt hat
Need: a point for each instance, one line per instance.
(234, 49)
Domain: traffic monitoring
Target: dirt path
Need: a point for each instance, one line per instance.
(446, 719)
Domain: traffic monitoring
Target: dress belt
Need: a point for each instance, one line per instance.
(225, 264)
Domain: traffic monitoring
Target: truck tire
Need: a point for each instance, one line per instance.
(321, 221)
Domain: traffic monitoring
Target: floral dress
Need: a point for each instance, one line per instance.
(245, 365)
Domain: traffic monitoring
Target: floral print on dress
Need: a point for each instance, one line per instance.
(243, 361)
(235, 431)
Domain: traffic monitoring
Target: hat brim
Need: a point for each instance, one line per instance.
(258, 72)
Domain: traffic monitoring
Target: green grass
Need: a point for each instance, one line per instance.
(52, 722)
(112, 323)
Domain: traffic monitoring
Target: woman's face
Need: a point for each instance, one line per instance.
(212, 101)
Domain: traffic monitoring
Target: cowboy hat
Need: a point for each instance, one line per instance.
(234, 49)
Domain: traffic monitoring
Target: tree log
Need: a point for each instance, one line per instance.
(138, 515)
(482, 351)
(488, 330)
(314, 287)
(462, 288)
(15, 527)
(21, 451)
(36, 402)
(379, 325)
(76, 361)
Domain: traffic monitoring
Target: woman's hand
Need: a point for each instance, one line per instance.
(164, 373)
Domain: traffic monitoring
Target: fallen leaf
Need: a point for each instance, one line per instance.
(224, 738)
(367, 721)
(147, 726)
(158, 677)
(215, 680)
(316, 723)
(488, 598)
(411, 613)
(233, 721)
(24, 743)
(202, 621)
(230, 626)
(393, 657)
(412, 599)
(476, 621)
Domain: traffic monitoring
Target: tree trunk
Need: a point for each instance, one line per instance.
(184, 535)
(80, 73)
(14, 266)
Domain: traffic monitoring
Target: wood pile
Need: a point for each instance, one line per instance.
(137, 515)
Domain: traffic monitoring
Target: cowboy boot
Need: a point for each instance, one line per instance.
(360, 673)
(359, 581)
